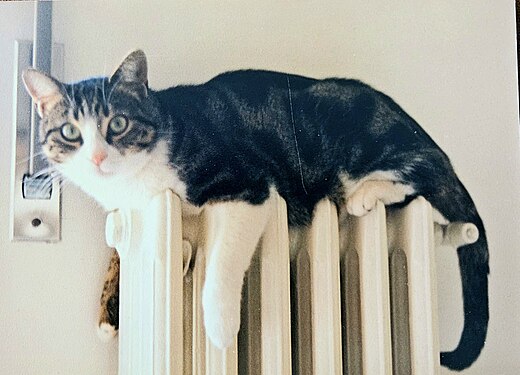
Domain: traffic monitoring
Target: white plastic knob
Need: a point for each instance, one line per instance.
(456, 234)
(114, 229)
(460, 234)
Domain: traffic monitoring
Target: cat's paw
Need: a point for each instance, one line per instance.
(221, 317)
(365, 197)
(108, 323)
(362, 201)
(106, 331)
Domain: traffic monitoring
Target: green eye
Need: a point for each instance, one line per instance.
(70, 132)
(118, 124)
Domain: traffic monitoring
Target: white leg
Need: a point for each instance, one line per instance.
(238, 228)
(364, 198)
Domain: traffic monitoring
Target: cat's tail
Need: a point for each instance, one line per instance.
(455, 203)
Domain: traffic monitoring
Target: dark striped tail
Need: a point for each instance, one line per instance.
(474, 269)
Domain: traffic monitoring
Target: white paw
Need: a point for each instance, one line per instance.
(221, 316)
(106, 332)
(365, 197)
(361, 202)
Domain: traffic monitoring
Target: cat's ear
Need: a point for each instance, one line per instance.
(43, 89)
(133, 69)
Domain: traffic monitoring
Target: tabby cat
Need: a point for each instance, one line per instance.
(230, 143)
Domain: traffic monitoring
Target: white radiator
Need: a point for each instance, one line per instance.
(359, 302)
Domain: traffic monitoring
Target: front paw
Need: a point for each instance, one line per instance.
(106, 331)
(108, 324)
(221, 316)
(362, 201)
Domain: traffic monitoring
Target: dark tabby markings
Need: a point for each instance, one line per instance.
(99, 100)
(48, 134)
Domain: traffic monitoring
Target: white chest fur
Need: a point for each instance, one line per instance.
(136, 191)
(137, 180)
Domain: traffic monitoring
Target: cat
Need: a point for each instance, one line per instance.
(230, 143)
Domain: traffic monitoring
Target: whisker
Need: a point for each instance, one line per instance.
(73, 95)
(68, 96)
(103, 83)
(105, 104)
(43, 185)
(25, 160)
(113, 88)
(43, 172)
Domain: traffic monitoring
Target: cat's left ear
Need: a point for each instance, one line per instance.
(45, 91)
(133, 69)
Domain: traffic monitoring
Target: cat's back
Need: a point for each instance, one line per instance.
(277, 101)
(261, 80)
(255, 87)
(260, 83)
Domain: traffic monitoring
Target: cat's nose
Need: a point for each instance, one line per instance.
(98, 158)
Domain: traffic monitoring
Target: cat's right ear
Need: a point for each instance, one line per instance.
(43, 89)
(133, 69)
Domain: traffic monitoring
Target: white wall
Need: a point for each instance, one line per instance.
(450, 64)
(49, 293)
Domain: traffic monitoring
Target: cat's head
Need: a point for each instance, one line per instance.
(100, 127)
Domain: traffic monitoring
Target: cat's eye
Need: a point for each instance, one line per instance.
(118, 124)
(70, 132)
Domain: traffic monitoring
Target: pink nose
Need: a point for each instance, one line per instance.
(98, 158)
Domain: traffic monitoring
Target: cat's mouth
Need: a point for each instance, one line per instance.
(103, 173)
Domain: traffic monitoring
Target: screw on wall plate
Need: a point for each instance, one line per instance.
(36, 222)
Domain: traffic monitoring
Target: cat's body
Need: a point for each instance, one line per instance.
(228, 144)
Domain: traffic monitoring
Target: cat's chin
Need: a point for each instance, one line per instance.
(103, 173)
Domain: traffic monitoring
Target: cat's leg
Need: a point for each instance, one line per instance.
(108, 324)
(239, 226)
(363, 197)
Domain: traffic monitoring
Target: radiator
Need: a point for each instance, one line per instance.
(358, 297)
